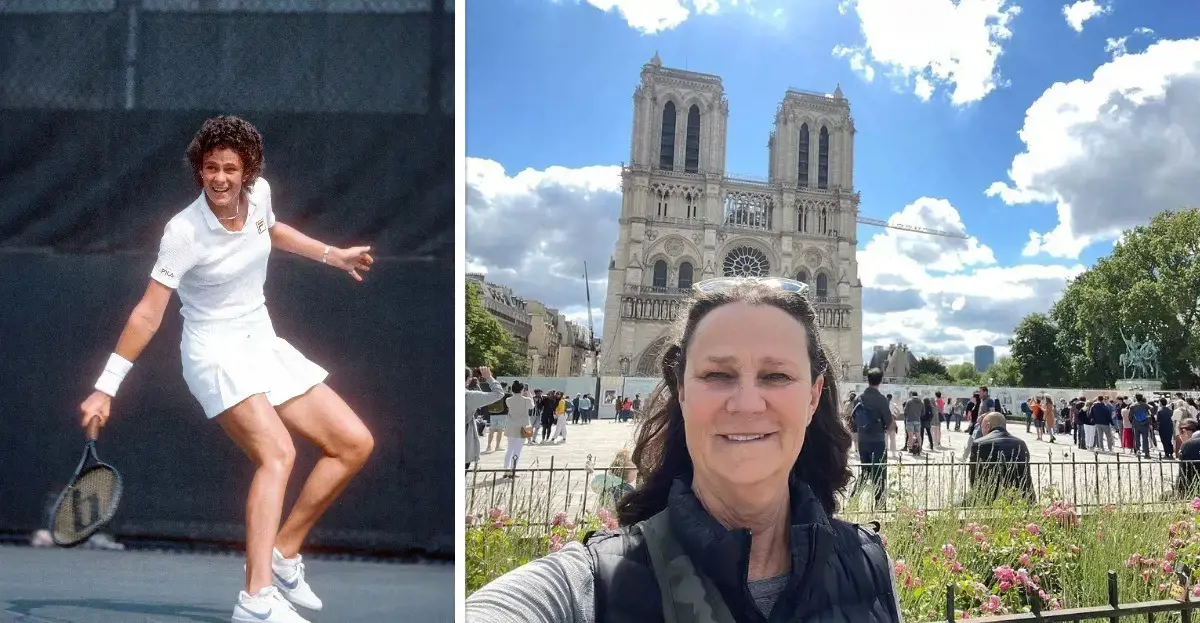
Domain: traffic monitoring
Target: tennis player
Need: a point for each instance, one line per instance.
(252, 382)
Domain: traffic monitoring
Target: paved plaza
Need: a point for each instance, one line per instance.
(936, 479)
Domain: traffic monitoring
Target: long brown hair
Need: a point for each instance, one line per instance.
(661, 453)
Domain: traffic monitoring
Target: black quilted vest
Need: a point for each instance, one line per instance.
(839, 571)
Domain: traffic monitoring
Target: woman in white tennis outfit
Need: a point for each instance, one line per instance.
(252, 382)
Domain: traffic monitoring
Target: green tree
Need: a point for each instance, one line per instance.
(964, 374)
(513, 361)
(487, 341)
(1147, 288)
(1005, 373)
(1038, 360)
(929, 365)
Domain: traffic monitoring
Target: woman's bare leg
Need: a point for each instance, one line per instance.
(322, 417)
(256, 428)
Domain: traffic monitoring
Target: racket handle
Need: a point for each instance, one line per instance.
(93, 428)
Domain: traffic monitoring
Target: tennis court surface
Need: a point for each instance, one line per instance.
(39, 585)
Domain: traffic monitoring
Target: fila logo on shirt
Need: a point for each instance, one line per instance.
(259, 225)
(167, 272)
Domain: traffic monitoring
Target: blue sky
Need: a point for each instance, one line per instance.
(549, 93)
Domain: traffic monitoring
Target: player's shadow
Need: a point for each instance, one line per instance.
(199, 614)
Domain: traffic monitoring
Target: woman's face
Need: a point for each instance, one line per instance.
(746, 395)
(222, 172)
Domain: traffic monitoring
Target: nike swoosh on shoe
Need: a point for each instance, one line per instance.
(262, 616)
(291, 586)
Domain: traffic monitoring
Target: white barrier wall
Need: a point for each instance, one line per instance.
(613, 386)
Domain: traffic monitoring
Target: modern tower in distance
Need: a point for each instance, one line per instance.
(985, 356)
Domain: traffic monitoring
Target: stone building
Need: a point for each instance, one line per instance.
(506, 307)
(684, 219)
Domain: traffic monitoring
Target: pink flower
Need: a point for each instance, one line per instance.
(992, 604)
(1033, 529)
(1004, 573)
(570, 525)
(496, 513)
(497, 524)
(1167, 567)
(883, 538)
(559, 518)
(1025, 562)
(1196, 590)
(1170, 556)
(470, 519)
(949, 552)
(1134, 560)
(1196, 504)
(1023, 577)
(1005, 585)
(980, 537)
(956, 567)
(1074, 549)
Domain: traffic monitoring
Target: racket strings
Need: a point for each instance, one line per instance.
(89, 501)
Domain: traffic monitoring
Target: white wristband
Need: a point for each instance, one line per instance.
(114, 372)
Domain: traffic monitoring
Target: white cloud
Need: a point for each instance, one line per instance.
(1082, 11)
(1116, 46)
(944, 296)
(534, 230)
(951, 44)
(654, 16)
(1112, 151)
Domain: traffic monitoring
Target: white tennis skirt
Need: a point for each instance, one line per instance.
(227, 361)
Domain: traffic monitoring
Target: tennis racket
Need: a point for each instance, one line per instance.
(90, 500)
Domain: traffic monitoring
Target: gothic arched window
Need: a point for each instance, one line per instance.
(691, 153)
(685, 275)
(822, 285)
(666, 151)
(802, 168)
(802, 276)
(660, 274)
(823, 159)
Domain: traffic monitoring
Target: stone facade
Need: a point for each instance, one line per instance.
(683, 219)
(506, 307)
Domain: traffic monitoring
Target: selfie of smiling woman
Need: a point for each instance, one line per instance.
(741, 458)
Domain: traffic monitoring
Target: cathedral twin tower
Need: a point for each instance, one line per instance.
(683, 219)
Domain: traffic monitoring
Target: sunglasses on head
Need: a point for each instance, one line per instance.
(720, 284)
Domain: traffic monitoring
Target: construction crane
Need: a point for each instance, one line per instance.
(919, 230)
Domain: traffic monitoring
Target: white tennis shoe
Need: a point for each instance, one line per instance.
(268, 606)
(288, 576)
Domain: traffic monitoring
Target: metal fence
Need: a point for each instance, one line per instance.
(300, 56)
(534, 495)
(1113, 612)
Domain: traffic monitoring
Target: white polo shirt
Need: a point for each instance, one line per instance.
(218, 273)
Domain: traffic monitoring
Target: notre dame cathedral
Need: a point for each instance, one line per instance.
(684, 220)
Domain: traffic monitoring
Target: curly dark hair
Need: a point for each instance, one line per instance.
(661, 453)
(230, 133)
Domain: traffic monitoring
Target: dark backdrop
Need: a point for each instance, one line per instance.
(98, 101)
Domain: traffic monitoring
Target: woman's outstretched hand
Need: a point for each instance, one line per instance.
(352, 260)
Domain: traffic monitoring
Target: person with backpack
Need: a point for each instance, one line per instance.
(1139, 417)
(870, 419)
